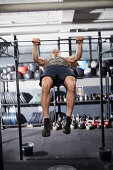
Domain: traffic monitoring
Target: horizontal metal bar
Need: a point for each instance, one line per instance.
(19, 7)
(60, 103)
(57, 40)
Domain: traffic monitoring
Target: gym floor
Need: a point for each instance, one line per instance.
(80, 149)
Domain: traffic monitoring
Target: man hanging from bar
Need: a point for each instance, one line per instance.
(57, 72)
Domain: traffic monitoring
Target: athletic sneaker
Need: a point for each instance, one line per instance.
(67, 129)
(46, 131)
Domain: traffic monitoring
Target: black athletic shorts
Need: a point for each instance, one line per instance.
(58, 73)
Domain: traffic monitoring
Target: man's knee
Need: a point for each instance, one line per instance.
(46, 84)
(71, 84)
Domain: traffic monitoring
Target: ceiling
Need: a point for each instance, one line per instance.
(55, 17)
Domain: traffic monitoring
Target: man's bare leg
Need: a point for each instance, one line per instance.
(70, 84)
(47, 83)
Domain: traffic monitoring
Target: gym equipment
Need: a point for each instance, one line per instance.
(88, 72)
(9, 76)
(5, 119)
(104, 72)
(83, 64)
(60, 97)
(4, 76)
(79, 72)
(10, 68)
(13, 75)
(26, 97)
(27, 148)
(54, 126)
(104, 152)
(94, 66)
(89, 124)
(22, 69)
(9, 119)
(59, 125)
(28, 75)
(111, 71)
(60, 115)
(98, 123)
(59, 118)
(37, 74)
(83, 117)
(107, 124)
(3, 45)
(73, 123)
(33, 67)
(81, 98)
(10, 97)
(13, 118)
(86, 97)
(32, 117)
(94, 96)
(81, 125)
(36, 118)
(105, 64)
(78, 118)
(36, 99)
(105, 67)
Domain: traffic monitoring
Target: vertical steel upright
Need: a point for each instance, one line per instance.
(1, 151)
(18, 95)
(101, 88)
(70, 49)
(58, 88)
(90, 50)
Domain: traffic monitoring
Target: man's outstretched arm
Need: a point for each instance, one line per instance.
(72, 60)
(41, 61)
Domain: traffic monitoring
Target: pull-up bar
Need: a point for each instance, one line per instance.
(54, 40)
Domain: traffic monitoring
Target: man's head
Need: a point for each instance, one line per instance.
(55, 53)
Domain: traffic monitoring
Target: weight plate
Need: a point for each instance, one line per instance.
(13, 118)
